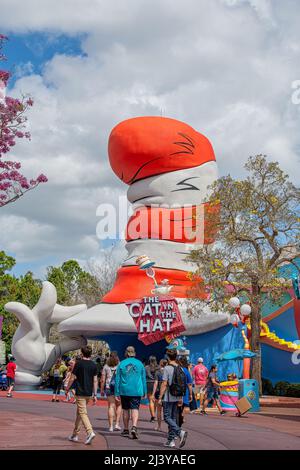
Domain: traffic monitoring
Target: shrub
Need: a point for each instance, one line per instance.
(267, 387)
(293, 390)
(285, 389)
(281, 388)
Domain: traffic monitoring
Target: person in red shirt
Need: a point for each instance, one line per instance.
(10, 375)
(200, 374)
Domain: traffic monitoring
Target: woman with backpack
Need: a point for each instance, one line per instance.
(151, 370)
(107, 387)
(58, 371)
(156, 392)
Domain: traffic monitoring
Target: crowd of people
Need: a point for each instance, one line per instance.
(172, 386)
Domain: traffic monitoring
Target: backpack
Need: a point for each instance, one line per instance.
(178, 386)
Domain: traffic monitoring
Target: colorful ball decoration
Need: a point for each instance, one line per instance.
(234, 319)
(245, 310)
(234, 302)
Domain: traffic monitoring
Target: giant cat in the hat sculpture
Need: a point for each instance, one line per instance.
(167, 166)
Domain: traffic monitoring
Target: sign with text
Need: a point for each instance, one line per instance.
(156, 317)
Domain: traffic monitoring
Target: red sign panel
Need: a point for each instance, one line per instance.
(155, 318)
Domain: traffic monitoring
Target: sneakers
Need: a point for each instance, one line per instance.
(90, 438)
(182, 438)
(125, 433)
(222, 412)
(202, 412)
(170, 444)
(9, 395)
(152, 419)
(111, 429)
(117, 427)
(134, 432)
(73, 438)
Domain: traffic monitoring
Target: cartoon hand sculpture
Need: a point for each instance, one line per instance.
(31, 347)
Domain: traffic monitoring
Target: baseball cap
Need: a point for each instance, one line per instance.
(200, 359)
(171, 347)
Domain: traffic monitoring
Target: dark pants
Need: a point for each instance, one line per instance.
(180, 410)
(193, 403)
(57, 383)
(170, 417)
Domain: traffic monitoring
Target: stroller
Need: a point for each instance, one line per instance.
(3, 381)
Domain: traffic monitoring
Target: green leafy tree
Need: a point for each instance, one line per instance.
(74, 284)
(6, 262)
(25, 289)
(257, 230)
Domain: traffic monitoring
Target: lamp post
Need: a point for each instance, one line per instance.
(242, 312)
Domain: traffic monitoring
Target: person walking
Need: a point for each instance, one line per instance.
(85, 374)
(58, 371)
(70, 395)
(200, 375)
(130, 387)
(212, 392)
(171, 396)
(107, 387)
(151, 370)
(188, 396)
(156, 392)
(10, 375)
(193, 404)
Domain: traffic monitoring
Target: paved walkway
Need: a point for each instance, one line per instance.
(39, 424)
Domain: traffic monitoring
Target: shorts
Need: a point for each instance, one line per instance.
(10, 381)
(212, 394)
(74, 385)
(130, 403)
(150, 388)
(200, 389)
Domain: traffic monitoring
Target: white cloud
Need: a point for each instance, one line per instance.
(28, 238)
(223, 66)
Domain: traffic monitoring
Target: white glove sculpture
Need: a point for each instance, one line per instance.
(30, 347)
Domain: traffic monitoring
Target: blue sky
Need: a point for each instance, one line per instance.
(37, 49)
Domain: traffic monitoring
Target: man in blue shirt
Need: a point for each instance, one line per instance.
(130, 387)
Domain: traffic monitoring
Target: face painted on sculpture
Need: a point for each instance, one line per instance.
(181, 187)
(147, 146)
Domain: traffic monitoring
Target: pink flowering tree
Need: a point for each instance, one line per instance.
(13, 184)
